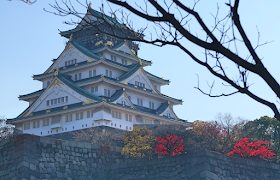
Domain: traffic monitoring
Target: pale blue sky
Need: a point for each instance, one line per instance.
(30, 40)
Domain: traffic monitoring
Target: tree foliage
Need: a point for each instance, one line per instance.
(169, 145)
(267, 129)
(256, 148)
(137, 143)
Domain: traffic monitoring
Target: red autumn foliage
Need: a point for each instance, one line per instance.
(256, 148)
(169, 144)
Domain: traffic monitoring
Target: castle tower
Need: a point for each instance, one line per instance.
(97, 80)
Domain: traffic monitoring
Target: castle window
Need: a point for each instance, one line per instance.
(81, 115)
(56, 101)
(123, 102)
(116, 114)
(88, 114)
(108, 73)
(70, 62)
(113, 58)
(94, 89)
(46, 122)
(26, 126)
(168, 114)
(124, 62)
(77, 116)
(107, 93)
(139, 102)
(80, 76)
(36, 124)
(68, 118)
(126, 117)
(130, 118)
(151, 105)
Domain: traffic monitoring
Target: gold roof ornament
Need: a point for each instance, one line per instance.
(140, 61)
(89, 5)
(56, 72)
(71, 37)
(123, 89)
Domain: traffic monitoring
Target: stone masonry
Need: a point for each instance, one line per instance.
(28, 157)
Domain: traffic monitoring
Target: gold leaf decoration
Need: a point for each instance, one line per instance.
(56, 72)
(65, 107)
(56, 82)
(110, 43)
(98, 43)
(28, 114)
(124, 82)
(52, 70)
(88, 101)
(154, 92)
(90, 60)
(47, 111)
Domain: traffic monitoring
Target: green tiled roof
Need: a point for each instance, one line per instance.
(162, 107)
(104, 16)
(156, 76)
(72, 85)
(84, 50)
(132, 70)
(30, 94)
(77, 28)
(54, 110)
(116, 95)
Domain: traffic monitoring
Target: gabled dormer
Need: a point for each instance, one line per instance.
(60, 93)
(73, 54)
(138, 78)
(166, 109)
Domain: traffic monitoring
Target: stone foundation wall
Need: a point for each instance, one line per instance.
(32, 157)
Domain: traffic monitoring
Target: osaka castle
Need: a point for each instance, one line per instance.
(97, 80)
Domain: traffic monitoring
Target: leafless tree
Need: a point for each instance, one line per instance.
(99, 135)
(6, 130)
(172, 19)
(27, 1)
